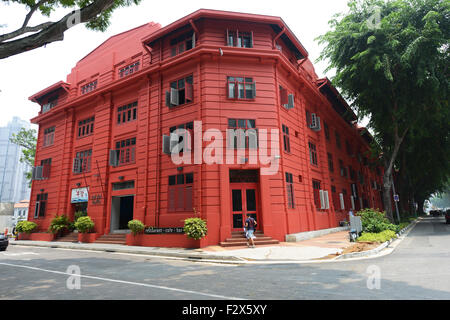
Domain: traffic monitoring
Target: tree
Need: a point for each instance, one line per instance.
(391, 60)
(96, 13)
(27, 140)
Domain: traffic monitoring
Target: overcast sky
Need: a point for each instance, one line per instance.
(27, 73)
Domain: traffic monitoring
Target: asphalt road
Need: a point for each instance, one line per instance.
(418, 268)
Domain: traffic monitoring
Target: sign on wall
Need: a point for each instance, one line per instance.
(152, 230)
(80, 195)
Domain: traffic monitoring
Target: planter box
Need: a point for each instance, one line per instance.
(163, 240)
(87, 237)
(44, 236)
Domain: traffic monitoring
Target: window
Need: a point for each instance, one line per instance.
(330, 162)
(127, 113)
(41, 203)
(290, 190)
(180, 193)
(241, 88)
(49, 136)
(316, 192)
(181, 92)
(312, 153)
(326, 130)
(286, 142)
(86, 127)
(182, 43)
(123, 185)
(51, 102)
(349, 148)
(131, 68)
(91, 86)
(82, 161)
(46, 164)
(286, 100)
(188, 127)
(125, 151)
(352, 173)
(342, 169)
(243, 134)
(338, 139)
(239, 39)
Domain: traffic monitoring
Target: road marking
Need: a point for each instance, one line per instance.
(11, 254)
(124, 282)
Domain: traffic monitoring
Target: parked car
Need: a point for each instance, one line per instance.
(447, 216)
(3, 242)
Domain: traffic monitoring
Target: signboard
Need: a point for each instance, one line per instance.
(396, 198)
(80, 195)
(163, 230)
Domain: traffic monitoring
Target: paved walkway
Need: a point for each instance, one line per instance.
(304, 250)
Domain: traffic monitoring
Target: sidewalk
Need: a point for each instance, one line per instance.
(306, 250)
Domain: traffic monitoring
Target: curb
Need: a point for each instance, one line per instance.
(189, 256)
(377, 250)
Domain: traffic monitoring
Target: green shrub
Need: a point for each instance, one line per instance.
(195, 228)
(374, 221)
(59, 224)
(136, 226)
(26, 226)
(84, 224)
(79, 214)
(376, 237)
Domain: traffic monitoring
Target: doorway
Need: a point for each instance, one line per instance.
(121, 213)
(244, 200)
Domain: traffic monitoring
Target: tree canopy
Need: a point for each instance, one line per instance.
(391, 59)
(27, 140)
(96, 14)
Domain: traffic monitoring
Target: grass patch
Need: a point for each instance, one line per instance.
(377, 237)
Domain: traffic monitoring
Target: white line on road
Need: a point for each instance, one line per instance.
(124, 282)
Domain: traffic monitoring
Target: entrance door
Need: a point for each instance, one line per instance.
(121, 212)
(244, 199)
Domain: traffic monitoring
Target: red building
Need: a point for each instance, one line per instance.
(101, 148)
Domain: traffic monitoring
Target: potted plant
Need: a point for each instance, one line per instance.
(59, 225)
(84, 225)
(25, 228)
(195, 228)
(136, 227)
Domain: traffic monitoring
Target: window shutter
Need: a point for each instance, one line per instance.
(352, 199)
(232, 90)
(166, 144)
(33, 173)
(228, 39)
(284, 96)
(76, 165)
(254, 90)
(189, 92)
(114, 158)
(251, 41)
(188, 198)
(171, 198)
(46, 171)
(313, 123)
(193, 40)
(327, 200)
(174, 99)
(322, 200)
(42, 209)
(341, 200)
(36, 210)
(38, 173)
(291, 101)
(168, 99)
(179, 205)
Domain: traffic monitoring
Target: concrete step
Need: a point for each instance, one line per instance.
(112, 239)
(244, 243)
(240, 239)
(71, 237)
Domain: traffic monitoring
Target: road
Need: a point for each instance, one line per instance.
(418, 268)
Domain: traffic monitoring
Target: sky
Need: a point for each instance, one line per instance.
(27, 73)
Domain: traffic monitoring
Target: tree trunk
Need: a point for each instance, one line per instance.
(387, 199)
(420, 203)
